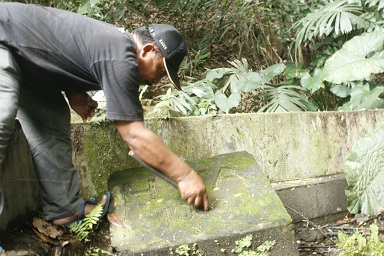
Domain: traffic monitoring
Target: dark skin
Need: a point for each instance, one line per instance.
(143, 142)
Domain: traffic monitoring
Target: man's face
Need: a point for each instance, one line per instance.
(151, 66)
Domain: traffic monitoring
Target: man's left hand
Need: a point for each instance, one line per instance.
(82, 104)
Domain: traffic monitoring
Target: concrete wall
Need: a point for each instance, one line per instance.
(18, 180)
(287, 146)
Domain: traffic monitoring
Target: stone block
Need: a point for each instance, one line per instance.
(321, 198)
(157, 221)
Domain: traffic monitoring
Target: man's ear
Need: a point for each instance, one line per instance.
(147, 48)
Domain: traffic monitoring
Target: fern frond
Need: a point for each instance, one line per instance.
(83, 228)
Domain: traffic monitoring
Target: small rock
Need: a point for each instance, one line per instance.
(309, 235)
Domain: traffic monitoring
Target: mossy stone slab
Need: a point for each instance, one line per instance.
(155, 217)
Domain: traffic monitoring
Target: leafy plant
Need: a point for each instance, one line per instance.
(240, 80)
(92, 8)
(362, 96)
(223, 90)
(358, 58)
(364, 174)
(242, 244)
(186, 251)
(198, 56)
(172, 102)
(245, 243)
(285, 99)
(347, 73)
(336, 17)
(356, 61)
(95, 251)
(83, 228)
(358, 244)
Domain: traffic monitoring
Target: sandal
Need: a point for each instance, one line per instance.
(81, 215)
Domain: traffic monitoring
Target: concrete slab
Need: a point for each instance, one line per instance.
(321, 198)
(157, 221)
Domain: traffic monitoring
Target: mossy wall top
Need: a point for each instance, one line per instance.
(286, 146)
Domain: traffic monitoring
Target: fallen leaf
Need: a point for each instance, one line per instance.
(115, 219)
(46, 239)
(46, 228)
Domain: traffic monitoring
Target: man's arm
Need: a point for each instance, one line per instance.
(152, 150)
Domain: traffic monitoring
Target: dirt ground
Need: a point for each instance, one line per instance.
(315, 239)
(29, 239)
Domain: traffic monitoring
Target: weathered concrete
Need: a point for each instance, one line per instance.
(319, 198)
(242, 200)
(18, 180)
(287, 146)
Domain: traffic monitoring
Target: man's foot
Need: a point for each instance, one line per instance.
(87, 209)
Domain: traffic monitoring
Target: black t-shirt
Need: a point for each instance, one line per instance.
(61, 50)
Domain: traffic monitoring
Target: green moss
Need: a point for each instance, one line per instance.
(104, 152)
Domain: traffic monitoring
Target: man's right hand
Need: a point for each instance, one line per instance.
(192, 189)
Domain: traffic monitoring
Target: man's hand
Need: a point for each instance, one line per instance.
(82, 104)
(192, 189)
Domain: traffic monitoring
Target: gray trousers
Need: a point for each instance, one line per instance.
(45, 119)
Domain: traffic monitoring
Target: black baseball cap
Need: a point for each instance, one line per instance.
(171, 44)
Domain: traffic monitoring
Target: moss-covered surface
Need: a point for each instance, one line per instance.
(98, 151)
(241, 198)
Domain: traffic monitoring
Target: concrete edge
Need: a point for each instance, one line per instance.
(322, 198)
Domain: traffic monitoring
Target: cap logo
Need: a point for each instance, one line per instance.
(163, 44)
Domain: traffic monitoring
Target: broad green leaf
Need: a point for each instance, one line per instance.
(353, 61)
(226, 103)
(269, 73)
(312, 83)
(364, 98)
(364, 169)
(217, 73)
(251, 82)
(370, 100)
(341, 90)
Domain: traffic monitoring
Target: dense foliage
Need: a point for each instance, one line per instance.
(364, 174)
(295, 56)
(261, 56)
